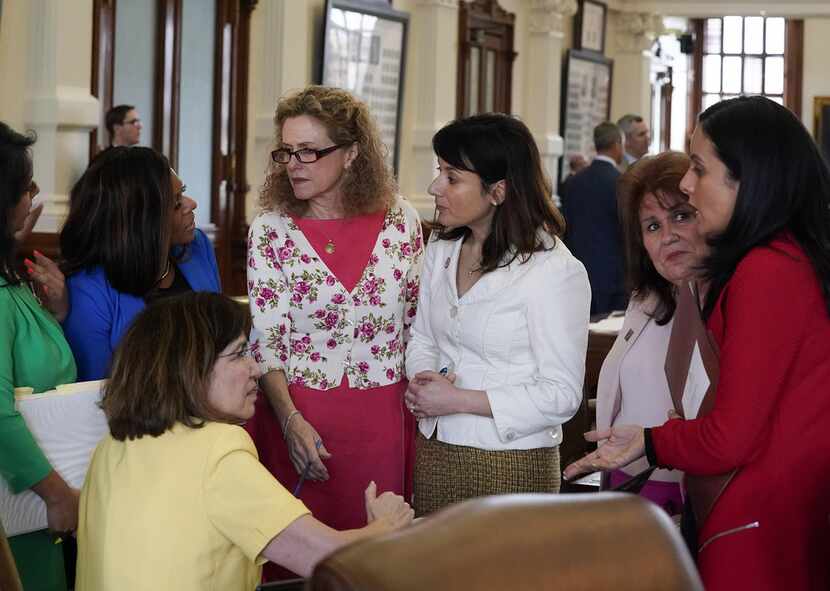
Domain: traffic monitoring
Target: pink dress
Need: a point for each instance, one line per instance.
(368, 432)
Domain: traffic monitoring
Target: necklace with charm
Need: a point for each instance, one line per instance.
(471, 269)
(331, 246)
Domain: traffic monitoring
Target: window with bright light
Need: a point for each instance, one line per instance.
(743, 56)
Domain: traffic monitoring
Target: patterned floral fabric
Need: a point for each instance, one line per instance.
(306, 324)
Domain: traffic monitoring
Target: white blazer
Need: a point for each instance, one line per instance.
(520, 334)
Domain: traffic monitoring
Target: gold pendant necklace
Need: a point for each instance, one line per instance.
(330, 247)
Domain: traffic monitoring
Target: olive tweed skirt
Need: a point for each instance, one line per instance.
(447, 473)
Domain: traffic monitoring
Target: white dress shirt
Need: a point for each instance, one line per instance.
(520, 334)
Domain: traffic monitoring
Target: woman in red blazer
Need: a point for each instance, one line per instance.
(762, 191)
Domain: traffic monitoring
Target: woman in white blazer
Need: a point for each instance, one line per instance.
(496, 357)
(663, 249)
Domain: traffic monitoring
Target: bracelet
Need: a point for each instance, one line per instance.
(290, 416)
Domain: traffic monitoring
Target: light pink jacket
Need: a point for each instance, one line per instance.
(609, 391)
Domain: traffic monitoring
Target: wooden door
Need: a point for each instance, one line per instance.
(230, 117)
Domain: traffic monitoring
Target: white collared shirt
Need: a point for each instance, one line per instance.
(520, 334)
(629, 159)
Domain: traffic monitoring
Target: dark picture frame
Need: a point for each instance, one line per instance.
(586, 102)
(821, 124)
(590, 25)
(364, 52)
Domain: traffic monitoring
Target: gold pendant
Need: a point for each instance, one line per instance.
(330, 247)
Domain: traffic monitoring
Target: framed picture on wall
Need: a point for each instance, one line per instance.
(364, 52)
(590, 25)
(821, 124)
(586, 102)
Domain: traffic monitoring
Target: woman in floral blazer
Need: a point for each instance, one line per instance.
(333, 271)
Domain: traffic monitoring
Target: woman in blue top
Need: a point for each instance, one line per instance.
(129, 239)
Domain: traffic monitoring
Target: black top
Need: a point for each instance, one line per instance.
(179, 286)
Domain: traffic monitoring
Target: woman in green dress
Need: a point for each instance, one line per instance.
(33, 353)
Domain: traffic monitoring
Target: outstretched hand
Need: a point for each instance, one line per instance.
(623, 445)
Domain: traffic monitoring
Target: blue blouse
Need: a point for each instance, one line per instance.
(99, 314)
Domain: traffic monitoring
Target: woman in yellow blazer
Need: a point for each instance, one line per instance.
(175, 496)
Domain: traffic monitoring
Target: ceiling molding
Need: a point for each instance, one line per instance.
(700, 8)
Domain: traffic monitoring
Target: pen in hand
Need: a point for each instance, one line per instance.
(304, 474)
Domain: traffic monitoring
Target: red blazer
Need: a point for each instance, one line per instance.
(770, 529)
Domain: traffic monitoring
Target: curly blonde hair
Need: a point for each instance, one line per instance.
(368, 184)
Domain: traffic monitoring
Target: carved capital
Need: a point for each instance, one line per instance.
(547, 16)
(637, 31)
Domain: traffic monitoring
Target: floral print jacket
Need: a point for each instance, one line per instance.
(306, 324)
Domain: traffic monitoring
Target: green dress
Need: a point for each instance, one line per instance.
(33, 353)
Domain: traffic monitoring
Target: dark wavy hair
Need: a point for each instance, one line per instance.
(500, 147)
(15, 177)
(161, 369)
(368, 184)
(659, 175)
(120, 218)
(784, 186)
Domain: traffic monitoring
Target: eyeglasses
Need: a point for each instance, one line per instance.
(304, 155)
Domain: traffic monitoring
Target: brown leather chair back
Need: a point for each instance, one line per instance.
(9, 579)
(574, 542)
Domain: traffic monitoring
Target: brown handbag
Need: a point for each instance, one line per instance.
(689, 330)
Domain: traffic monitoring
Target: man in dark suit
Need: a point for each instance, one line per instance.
(589, 204)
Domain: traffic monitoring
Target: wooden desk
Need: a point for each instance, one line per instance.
(601, 337)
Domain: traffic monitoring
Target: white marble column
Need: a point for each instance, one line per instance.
(58, 105)
(435, 35)
(545, 37)
(283, 41)
(635, 34)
